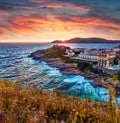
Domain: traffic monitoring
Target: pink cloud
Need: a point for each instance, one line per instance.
(40, 1)
(59, 23)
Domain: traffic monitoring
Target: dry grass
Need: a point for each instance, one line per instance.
(25, 104)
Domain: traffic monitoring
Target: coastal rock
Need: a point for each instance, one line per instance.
(71, 69)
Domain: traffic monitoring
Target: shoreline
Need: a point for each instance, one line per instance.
(72, 69)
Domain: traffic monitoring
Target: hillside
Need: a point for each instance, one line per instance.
(87, 40)
(26, 104)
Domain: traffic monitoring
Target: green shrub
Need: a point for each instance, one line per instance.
(118, 76)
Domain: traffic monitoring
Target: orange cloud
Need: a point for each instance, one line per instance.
(51, 27)
(3, 31)
(41, 1)
(25, 23)
(36, 0)
(90, 22)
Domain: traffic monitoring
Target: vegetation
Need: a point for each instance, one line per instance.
(26, 104)
(55, 52)
(117, 76)
(115, 62)
(59, 52)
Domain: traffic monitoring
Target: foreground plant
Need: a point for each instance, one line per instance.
(26, 104)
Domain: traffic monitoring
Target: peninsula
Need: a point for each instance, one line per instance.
(64, 59)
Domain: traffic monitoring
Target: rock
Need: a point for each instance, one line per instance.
(71, 69)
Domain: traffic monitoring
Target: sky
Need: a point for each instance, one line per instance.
(49, 20)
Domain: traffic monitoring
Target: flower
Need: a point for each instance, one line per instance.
(85, 110)
(77, 113)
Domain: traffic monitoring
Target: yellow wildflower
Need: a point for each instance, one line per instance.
(85, 110)
(77, 113)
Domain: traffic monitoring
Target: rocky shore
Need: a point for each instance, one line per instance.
(72, 69)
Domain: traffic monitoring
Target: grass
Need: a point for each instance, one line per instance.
(26, 104)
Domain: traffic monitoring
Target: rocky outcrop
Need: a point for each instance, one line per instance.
(71, 69)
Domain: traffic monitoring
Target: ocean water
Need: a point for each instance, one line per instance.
(91, 45)
(16, 65)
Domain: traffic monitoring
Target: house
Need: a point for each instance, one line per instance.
(69, 52)
(93, 52)
(78, 50)
(106, 58)
(118, 54)
(102, 49)
(116, 49)
(88, 57)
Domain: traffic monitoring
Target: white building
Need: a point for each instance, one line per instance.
(116, 49)
(69, 52)
(78, 50)
(88, 57)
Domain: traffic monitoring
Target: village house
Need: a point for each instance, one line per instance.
(116, 49)
(90, 55)
(79, 50)
(118, 54)
(87, 57)
(69, 52)
(106, 58)
(93, 52)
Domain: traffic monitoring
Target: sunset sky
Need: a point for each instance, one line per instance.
(48, 20)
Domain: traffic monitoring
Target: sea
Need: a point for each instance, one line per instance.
(16, 65)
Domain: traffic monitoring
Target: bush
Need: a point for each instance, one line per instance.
(25, 104)
(118, 76)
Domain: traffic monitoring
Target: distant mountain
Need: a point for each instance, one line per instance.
(87, 40)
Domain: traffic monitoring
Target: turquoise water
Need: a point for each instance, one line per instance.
(16, 65)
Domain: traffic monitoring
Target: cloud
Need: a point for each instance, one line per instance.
(53, 5)
(78, 7)
(59, 22)
(65, 7)
(56, 18)
(3, 30)
(7, 7)
(89, 20)
(41, 1)
(3, 12)
(29, 23)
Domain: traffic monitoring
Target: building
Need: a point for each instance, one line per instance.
(88, 57)
(106, 58)
(93, 52)
(69, 52)
(78, 50)
(116, 49)
(118, 54)
(102, 49)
